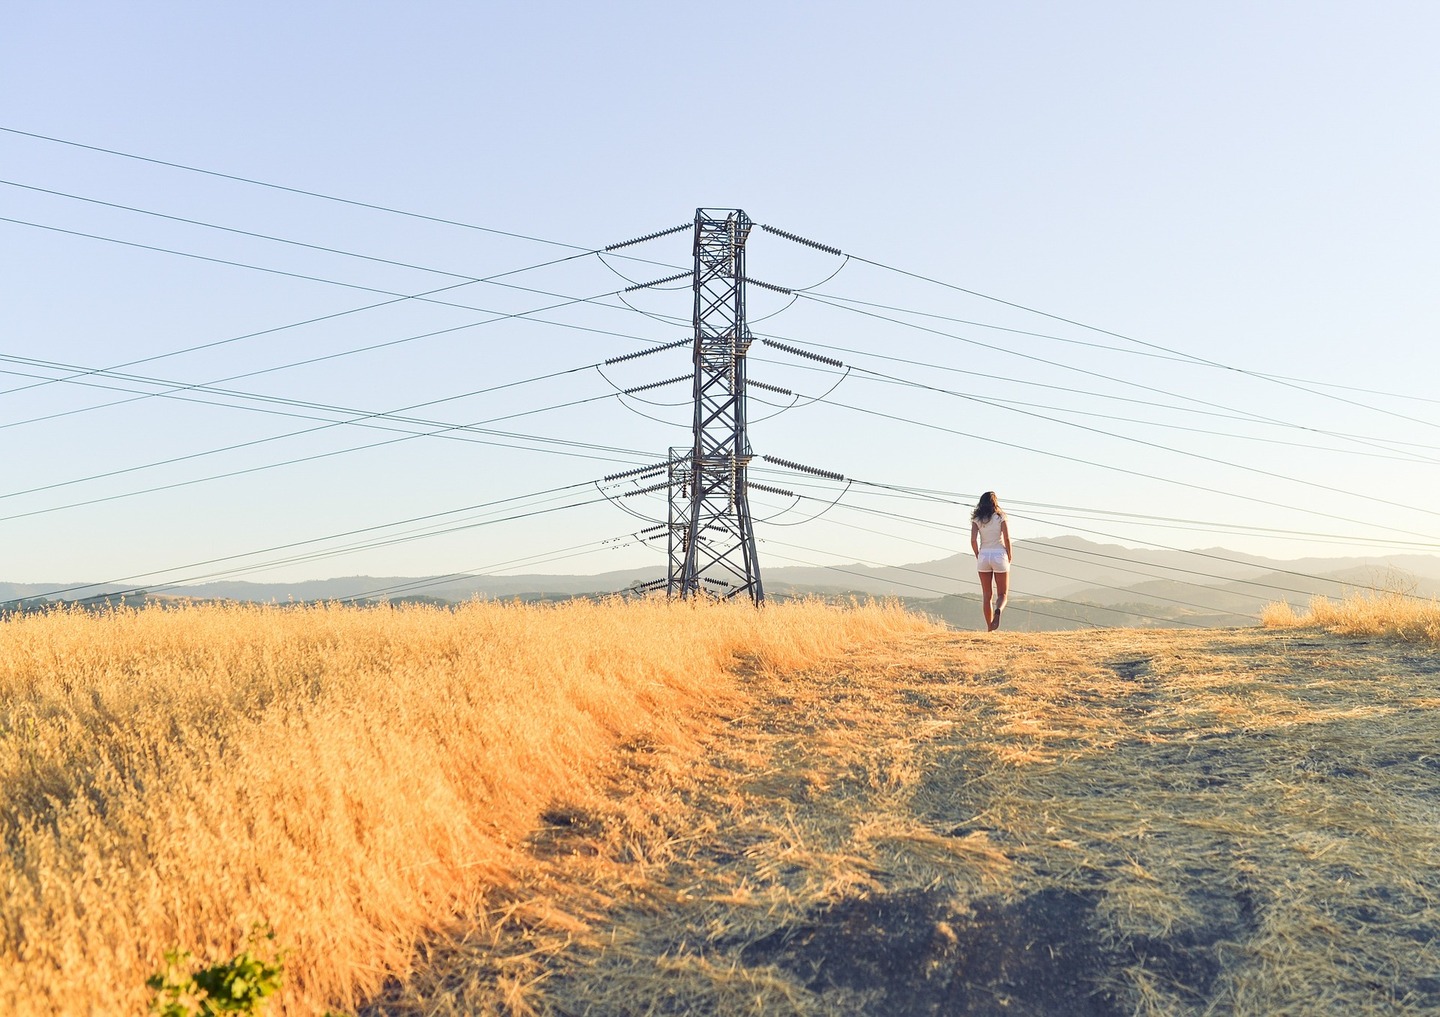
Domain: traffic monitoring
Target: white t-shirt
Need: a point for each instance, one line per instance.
(990, 539)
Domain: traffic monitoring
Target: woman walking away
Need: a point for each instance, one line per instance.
(990, 540)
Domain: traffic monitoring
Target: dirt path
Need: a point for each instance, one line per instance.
(1220, 822)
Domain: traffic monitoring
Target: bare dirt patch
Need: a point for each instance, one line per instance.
(917, 953)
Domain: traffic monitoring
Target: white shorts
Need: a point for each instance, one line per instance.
(992, 559)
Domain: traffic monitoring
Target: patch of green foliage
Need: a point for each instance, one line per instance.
(240, 985)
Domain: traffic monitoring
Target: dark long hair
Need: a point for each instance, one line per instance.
(989, 506)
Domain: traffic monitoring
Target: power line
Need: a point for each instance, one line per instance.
(176, 387)
(248, 335)
(313, 458)
(1273, 533)
(294, 190)
(1021, 406)
(1155, 445)
(1028, 568)
(488, 571)
(329, 317)
(1120, 469)
(1166, 448)
(1275, 379)
(1017, 605)
(252, 401)
(1215, 557)
(1390, 444)
(359, 417)
(364, 545)
(449, 427)
(1060, 365)
(946, 498)
(406, 539)
(595, 300)
(567, 300)
(246, 233)
(1085, 512)
(1148, 444)
(1037, 548)
(1179, 354)
(313, 540)
(1180, 358)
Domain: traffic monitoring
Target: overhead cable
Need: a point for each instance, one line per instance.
(1275, 379)
(295, 190)
(1054, 363)
(1369, 496)
(1129, 472)
(316, 540)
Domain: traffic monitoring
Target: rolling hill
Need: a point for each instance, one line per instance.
(1058, 583)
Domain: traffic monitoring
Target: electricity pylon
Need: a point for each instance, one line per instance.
(718, 547)
(677, 519)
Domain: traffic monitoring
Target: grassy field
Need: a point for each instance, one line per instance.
(352, 777)
(655, 809)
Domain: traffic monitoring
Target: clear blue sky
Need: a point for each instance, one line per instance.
(1250, 185)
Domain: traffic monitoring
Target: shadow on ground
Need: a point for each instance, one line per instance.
(916, 954)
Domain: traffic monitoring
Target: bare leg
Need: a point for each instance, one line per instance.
(1002, 591)
(986, 579)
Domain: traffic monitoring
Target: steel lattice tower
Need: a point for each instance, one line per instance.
(677, 520)
(719, 542)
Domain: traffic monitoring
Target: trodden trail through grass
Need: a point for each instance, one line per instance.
(1100, 823)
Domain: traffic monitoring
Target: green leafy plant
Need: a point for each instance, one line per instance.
(240, 985)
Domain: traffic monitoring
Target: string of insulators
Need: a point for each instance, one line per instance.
(658, 384)
(766, 286)
(802, 468)
(652, 531)
(659, 282)
(751, 383)
(653, 467)
(653, 584)
(645, 490)
(771, 490)
(802, 353)
(716, 582)
(645, 353)
(801, 240)
(650, 236)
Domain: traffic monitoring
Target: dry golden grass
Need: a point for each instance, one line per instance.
(648, 809)
(1238, 822)
(355, 778)
(1363, 615)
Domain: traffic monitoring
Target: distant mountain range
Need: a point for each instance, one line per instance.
(1058, 583)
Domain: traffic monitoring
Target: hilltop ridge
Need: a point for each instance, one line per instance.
(1085, 583)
